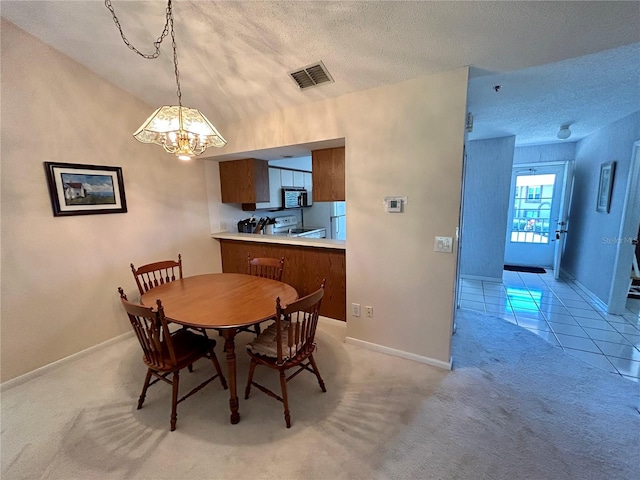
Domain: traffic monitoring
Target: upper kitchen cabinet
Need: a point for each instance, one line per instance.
(244, 181)
(328, 174)
(275, 191)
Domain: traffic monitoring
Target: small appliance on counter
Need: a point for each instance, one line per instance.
(248, 225)
(263, 225)
(269, 226)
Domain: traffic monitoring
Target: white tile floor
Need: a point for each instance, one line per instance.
(564, 315)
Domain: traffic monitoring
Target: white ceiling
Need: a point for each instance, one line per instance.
(234, 56)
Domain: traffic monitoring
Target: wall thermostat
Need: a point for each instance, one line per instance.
(394, 204)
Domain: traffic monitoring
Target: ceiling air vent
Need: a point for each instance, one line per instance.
(311, 76)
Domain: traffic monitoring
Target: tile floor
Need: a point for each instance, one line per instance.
(564, 315)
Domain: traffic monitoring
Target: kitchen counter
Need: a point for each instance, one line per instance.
(307, 260)
(282, 240)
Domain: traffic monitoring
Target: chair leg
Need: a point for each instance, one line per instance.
(190, 367)
(257, 328)
(283, 385)
(252, 368)
(317, 372)
(216, 364)
(174, 400)
(144, 389)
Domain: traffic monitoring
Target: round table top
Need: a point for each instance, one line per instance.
(220, 300)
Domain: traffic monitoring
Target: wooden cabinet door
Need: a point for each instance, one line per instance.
(328, 174)
(244, 181)
(275, 191)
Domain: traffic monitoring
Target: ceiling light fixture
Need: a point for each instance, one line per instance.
(564, 132)
(182, 131)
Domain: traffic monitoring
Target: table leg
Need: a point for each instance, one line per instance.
(230, 349)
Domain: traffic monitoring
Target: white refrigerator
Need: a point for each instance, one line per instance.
(328, 215)
(339, 221)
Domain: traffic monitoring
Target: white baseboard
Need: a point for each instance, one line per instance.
(599, 303)
(14, 382)
(399, 353)
(484, 279)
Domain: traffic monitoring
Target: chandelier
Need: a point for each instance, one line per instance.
(183, 131)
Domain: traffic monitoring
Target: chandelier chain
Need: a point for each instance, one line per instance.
(168, 26)
(126, 41)
(175, 56)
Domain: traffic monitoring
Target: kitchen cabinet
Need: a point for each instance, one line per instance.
(328, 174)
(307, 183)
(298, 179)
(286, 178)
(292, 178)
(275, 191)
(244, 181)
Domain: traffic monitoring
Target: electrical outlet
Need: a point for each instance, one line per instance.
(222, 226)
(355, 309)
(369, 311)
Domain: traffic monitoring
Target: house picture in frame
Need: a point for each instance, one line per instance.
(605, 186)
(76, 189)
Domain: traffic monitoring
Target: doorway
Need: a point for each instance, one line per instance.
(625, 246)
(537, 215)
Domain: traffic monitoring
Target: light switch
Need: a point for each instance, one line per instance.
(443, 244)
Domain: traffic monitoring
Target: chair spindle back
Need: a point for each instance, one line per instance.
(152, 330)
(157, 273)
(299, 321)
(265, 267)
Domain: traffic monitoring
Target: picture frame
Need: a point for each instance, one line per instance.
(605, 186)
(78, 189)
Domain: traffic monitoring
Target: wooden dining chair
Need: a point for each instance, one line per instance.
(264, 267)
(166, 353)
(157, 273)
(288, 343)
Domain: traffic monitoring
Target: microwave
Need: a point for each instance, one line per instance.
(293, 197)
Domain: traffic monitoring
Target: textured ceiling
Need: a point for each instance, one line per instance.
(235, 56)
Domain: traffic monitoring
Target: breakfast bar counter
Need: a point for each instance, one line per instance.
(307, 262)
(281, 240)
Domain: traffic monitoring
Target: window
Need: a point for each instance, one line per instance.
(534, 193)
(532, 208)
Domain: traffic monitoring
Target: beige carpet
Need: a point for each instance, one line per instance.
(514, 407)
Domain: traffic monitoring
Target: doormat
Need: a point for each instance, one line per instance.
(519, 268)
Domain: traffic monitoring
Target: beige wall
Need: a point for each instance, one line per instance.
(404, 139)
(59, 275)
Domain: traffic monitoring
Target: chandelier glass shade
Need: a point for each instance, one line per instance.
(182, 131)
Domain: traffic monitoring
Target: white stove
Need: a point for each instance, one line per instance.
(288, 225)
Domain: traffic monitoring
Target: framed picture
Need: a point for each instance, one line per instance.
(607, 170)
(85, 189)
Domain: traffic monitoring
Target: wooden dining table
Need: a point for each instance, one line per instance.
(225, 302)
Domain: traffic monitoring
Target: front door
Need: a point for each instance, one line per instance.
(534, 212)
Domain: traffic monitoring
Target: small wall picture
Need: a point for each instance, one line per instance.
(77, 189)
(607, 171)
